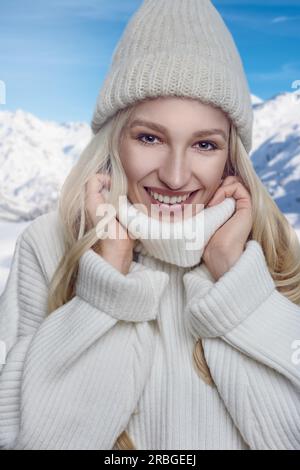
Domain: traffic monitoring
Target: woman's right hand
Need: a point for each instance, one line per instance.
(119, 251)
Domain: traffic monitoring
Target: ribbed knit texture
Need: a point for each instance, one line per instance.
(180, 242)
(101, 363)
(177, 48)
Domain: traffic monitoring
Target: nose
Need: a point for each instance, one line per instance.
(175, 171)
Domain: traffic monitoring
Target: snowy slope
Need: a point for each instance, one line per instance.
(35, 158)
(256, 100)
(276, 149)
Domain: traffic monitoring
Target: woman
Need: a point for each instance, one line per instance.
(136, 342)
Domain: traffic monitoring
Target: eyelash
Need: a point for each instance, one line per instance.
(138, 138)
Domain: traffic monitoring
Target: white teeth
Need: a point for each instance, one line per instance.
(167, 199)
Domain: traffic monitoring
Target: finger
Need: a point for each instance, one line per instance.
(232, 179)
(96, 194)
(97, 182)
(235, 190)
(106, 179)
(94, 184)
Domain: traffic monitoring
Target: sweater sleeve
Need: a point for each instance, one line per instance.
(250, 331)
(72, 379)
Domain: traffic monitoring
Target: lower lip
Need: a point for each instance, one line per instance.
(174, 207)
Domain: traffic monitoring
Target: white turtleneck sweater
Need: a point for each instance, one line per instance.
(119, 354)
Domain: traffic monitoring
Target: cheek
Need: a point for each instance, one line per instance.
(209, 172)
(135, 164)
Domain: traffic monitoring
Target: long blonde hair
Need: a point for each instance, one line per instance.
(270, 227)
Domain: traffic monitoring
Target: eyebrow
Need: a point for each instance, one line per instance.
(160, 128)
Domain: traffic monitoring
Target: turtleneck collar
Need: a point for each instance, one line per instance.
(181, 242)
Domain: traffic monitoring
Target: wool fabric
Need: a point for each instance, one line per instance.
(180, 242)
(118, 355)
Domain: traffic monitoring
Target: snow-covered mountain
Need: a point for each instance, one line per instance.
(276, 149)
(256, 100)
(35, 158)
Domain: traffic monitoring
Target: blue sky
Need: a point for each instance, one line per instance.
(54, 54)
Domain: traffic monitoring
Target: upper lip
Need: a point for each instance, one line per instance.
(167, 192)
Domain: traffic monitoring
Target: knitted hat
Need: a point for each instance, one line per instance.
(177, 48)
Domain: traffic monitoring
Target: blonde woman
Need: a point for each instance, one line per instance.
(136, 342)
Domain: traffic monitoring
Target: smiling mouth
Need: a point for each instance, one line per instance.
(171, 205)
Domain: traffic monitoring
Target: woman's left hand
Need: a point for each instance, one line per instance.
(228, 243)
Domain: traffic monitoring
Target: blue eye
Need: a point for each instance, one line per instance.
(209, 143)
(141, 136)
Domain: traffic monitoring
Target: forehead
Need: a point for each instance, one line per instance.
(175, 109)
(180, 116)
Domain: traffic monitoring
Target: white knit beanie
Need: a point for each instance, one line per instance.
(177, 48)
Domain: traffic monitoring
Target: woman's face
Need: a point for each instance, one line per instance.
(174, 147)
